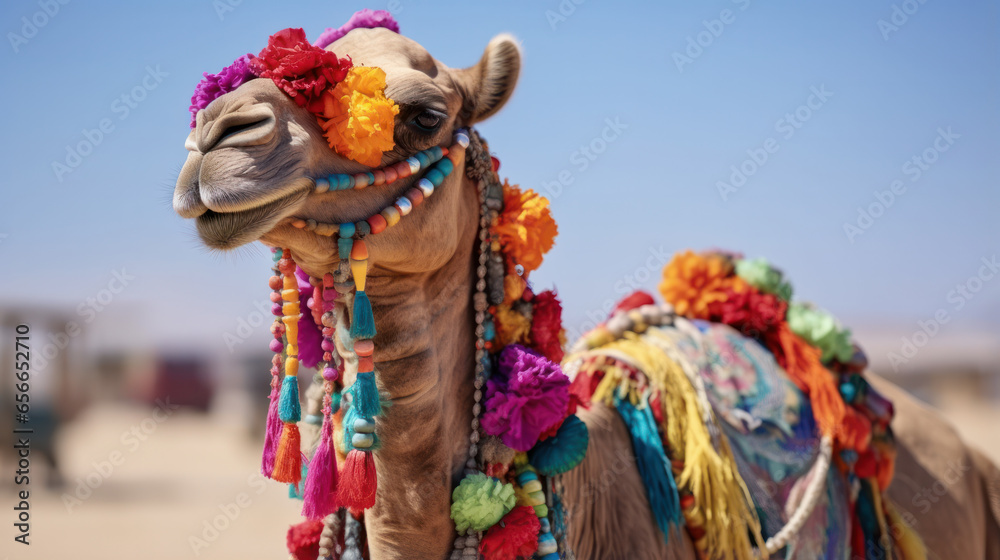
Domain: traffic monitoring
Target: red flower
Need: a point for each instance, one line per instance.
(301, 70)
(546, 326)
(749, 310)
(516, 536)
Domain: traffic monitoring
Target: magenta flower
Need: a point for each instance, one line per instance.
(364, 19)
(528, 395)
(212, 86)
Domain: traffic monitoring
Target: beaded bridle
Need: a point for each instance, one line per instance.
(358, 493)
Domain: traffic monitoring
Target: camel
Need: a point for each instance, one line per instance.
(249, 174)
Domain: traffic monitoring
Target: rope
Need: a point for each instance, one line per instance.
(817, 484)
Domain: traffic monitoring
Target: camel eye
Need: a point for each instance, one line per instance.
(428, 120)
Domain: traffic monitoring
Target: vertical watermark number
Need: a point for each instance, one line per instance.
(22, 432)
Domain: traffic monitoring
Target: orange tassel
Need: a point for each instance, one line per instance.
(802, 362)
(358, 481)
(288, 463)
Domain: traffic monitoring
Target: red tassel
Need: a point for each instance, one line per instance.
(358, 481)
(288, 463)
(321, 484)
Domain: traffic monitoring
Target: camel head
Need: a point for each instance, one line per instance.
(254, 155)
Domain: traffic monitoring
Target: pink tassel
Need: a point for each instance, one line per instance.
(358, 481)
(321, 483)
(272, 435)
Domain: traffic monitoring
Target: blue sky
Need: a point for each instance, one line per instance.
(633, 115)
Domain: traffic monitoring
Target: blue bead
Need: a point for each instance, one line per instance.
(334, 181)
(436, 153)
(849, 391)
(346, 181)
(445, 166)
(371, 178)
(435, 177)
(347, 230)
(344, 247)
(424, 159)
(545, 528)
(490, 331)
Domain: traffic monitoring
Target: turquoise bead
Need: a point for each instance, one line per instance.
(848, 391)
(346, 181)
(545, 527)
(362, 441)
(364, 426)
(371, 178)
(435, 177)
(347, 230)
(445, 166)
(424, 159)
(490, 331)
(436, 153)
(526, 477)
(552, 556)
(276, 256)
(344, 247)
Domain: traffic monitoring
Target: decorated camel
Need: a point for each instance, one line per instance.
(448, 418)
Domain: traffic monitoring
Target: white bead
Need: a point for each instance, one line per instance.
(414, 165)
(362, 441)
(404, 205)
(322, 185)
(462, 139)
(426, 187)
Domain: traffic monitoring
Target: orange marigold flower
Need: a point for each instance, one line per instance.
(692, 283)
(525, 228)
(512, 327)
(358, 118)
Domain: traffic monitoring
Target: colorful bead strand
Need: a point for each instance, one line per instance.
(321, 483)
(438, 168)
(288, 463)
(272, 433)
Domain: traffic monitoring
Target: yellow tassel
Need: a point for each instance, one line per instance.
(908, 543)
(721, 495)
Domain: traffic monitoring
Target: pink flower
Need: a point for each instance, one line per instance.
(525, 397)
(362, 19)
(213, 86)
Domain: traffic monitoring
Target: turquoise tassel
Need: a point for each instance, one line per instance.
(653, 465)
(365, 398)
(289, 409)
(349, 417)
(362, 322)
(297, 491)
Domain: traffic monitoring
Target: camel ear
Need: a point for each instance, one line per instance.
(489, 84)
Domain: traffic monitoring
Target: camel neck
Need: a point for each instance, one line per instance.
(425, 354)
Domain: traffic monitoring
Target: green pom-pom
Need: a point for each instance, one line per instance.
(480, 502)
(562, 452)
(761, 275)
(822, 330)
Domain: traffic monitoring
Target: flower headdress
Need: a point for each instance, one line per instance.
(348, 101)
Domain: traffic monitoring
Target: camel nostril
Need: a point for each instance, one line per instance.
(249, 126)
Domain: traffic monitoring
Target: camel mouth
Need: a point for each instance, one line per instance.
(228, 230)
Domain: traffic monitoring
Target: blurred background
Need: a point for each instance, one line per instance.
(853, 143)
